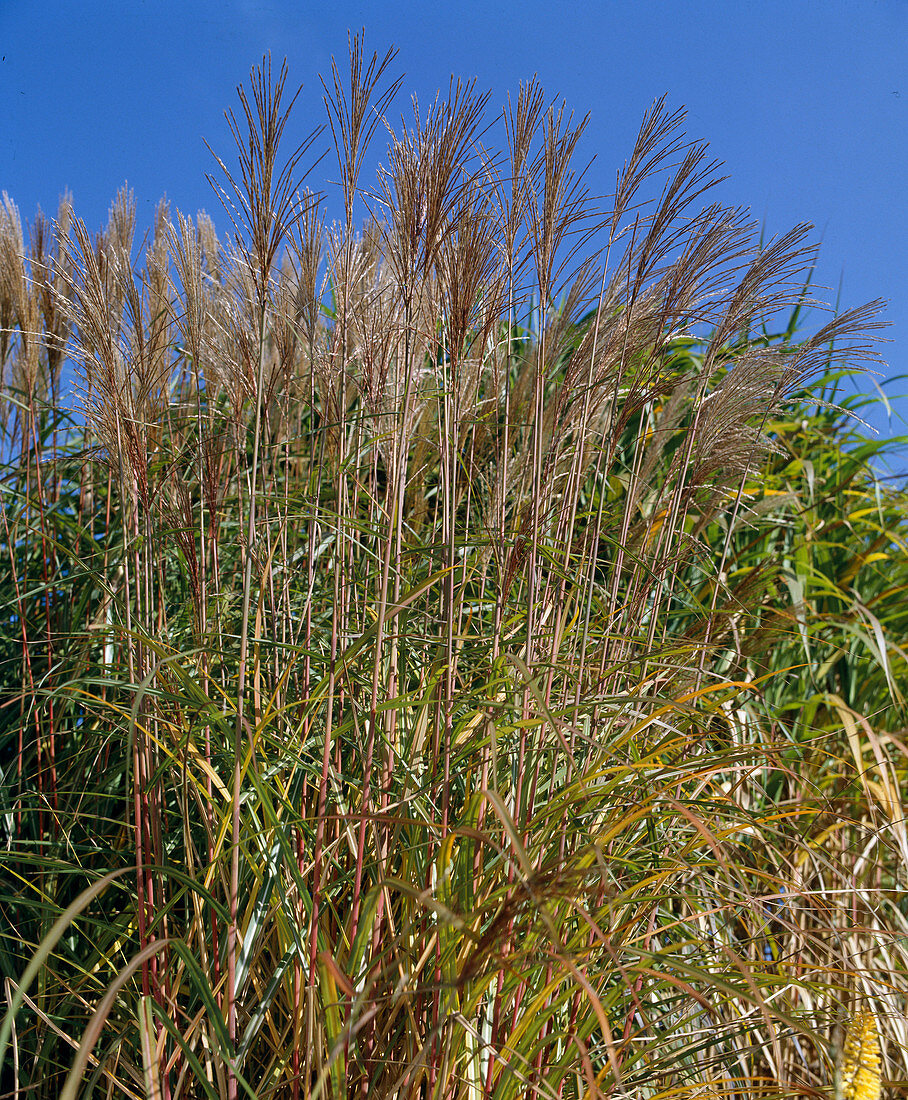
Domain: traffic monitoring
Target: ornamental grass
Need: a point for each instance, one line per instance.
(454, 651)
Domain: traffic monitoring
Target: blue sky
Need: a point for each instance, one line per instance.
(805, 102)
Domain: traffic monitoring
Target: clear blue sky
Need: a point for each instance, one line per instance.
(805, 102)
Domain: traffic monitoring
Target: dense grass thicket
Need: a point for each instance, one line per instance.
(430, 666)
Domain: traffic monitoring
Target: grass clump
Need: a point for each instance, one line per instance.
(433, 668)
